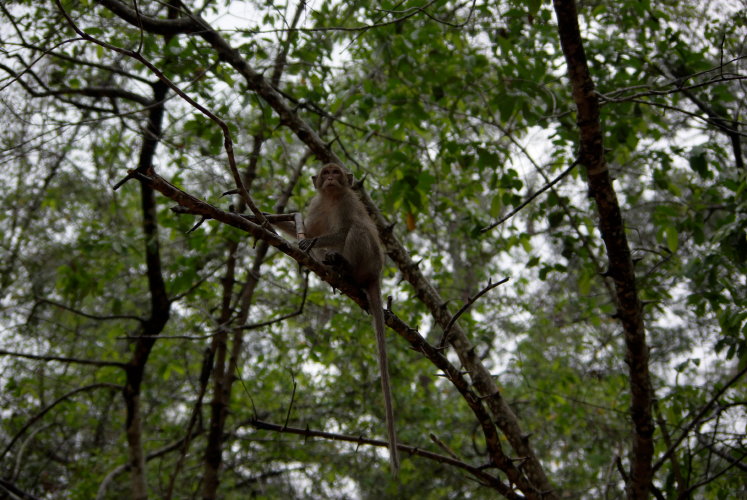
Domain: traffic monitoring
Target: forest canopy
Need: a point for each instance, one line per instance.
(559, 188)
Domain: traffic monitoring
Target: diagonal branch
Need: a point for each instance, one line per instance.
(471, 300)
(49, 407)
(483, 381)
(697, 419)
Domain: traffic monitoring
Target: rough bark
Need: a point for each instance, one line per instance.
(611, 225)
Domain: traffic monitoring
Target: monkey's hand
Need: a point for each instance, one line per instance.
(307, 244)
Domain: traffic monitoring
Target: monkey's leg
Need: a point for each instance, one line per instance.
(339, 263)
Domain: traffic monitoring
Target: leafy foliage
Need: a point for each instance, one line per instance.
(455, 114)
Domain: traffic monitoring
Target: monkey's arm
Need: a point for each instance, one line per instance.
(330, 240)
(291, 224)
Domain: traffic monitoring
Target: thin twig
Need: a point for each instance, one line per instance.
(47, 408)
(471, 300)
(62, 359)
(531, 198)
(293, 399)
(88, 315)
(698, 417)
(443, 446)
(297, 312)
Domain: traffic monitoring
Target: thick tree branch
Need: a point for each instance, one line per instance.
(629, 308)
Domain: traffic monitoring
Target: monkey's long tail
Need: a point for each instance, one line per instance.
(377, 312)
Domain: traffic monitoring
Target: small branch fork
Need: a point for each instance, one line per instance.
(295, 217)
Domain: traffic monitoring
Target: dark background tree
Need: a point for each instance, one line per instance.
(159, 342)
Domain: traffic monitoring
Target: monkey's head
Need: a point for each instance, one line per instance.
(332, 178)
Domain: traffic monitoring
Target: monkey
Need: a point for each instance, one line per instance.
(341, 234)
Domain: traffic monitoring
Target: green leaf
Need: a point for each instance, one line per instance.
(699, 163)
(534, 6)
(672, 238)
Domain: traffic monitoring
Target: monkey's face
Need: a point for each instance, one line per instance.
(332, 178)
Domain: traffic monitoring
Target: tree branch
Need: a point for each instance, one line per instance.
(468, 303)
(696, 420)
(61, 359)
(481, 476)
(96, 317)
(47, 408)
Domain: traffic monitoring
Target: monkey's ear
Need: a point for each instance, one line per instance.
(350, 179)
(313, 179)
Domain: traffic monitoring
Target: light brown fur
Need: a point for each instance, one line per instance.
(340, 233)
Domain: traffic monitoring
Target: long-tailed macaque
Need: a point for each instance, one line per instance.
(340, 233)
